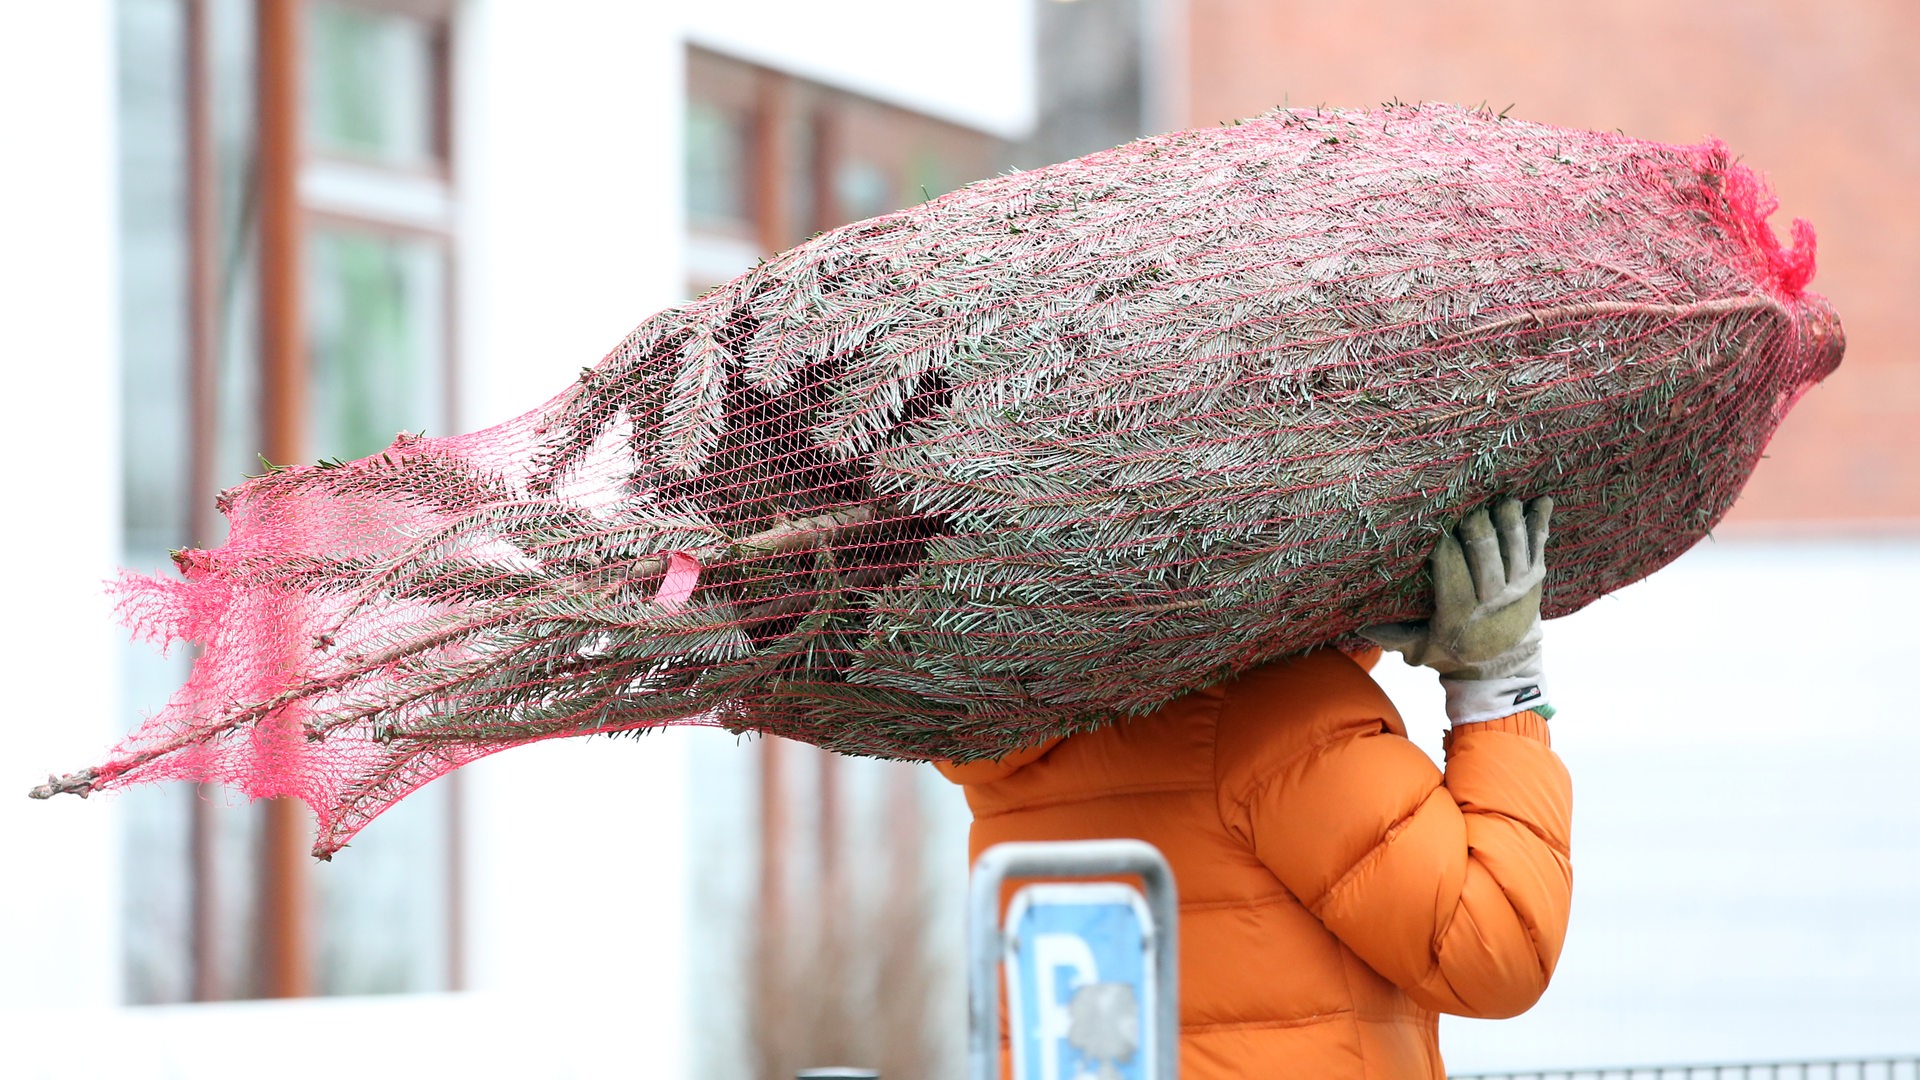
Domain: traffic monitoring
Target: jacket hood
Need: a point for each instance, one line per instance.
(987, 772)
(1366, 654)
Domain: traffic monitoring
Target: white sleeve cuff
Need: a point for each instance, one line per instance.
(1472, 701)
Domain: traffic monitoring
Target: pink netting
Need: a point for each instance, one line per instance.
(1046, 451)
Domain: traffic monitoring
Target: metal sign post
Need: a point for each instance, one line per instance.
(1091, 969)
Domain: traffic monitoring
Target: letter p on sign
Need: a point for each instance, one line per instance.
(1080, 982)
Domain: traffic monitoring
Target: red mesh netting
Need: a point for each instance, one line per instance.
(1051, 449)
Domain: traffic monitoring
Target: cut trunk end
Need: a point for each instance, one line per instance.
(81, 783)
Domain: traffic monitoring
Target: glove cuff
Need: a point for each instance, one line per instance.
(1472, 701)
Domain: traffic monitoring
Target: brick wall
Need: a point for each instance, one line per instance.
(1824, 99)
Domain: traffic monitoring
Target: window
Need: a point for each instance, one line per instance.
(772, 159)
(375, 187)
(718, 141)
(788, 945)
(374, 87)
(186, 419)
(213, 894)
(377, 306)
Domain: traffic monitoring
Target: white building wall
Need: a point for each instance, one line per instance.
(569, 174)
(1746, 829)
(971, 63)
(58, 905)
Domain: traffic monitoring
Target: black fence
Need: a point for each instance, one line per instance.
(1900, 1068)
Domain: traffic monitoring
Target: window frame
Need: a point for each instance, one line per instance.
(283, 904)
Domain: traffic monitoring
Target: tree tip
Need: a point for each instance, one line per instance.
(80, 783)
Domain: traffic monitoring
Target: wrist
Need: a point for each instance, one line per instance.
(1476, 700)
(1528, 725)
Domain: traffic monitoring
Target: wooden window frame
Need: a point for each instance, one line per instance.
(775, 104)
(284, 927)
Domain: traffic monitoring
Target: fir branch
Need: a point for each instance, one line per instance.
(795, 535)
(694, 413)
(435, 480)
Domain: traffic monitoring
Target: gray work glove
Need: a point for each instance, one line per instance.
(1484, 637)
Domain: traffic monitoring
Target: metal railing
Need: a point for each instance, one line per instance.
(1889, 1068)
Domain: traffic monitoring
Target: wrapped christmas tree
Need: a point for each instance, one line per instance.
(1029, 457)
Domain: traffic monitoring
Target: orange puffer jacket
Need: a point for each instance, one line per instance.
(1336, 890)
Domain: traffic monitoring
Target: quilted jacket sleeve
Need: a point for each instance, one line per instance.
(1453, 886)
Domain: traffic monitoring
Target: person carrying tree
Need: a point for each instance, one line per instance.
(1337, 890)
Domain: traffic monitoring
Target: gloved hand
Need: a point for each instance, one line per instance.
(1484, 637)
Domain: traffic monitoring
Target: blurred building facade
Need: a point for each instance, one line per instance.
(474, 198)
(285, 230)
(1820, 99)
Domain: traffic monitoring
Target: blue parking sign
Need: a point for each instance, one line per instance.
(1080, 982)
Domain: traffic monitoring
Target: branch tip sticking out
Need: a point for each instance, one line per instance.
(80, 783)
